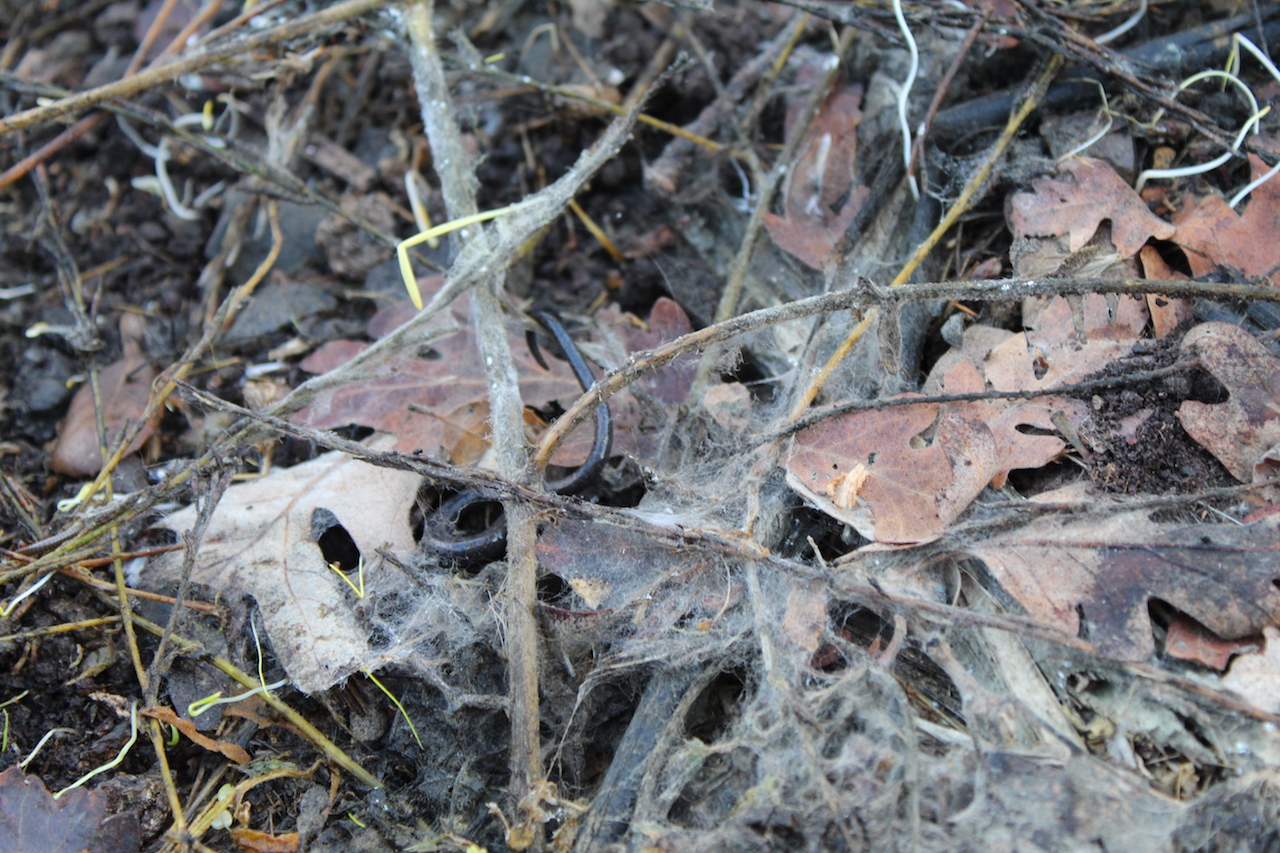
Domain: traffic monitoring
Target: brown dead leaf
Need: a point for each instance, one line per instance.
(639, 418)
(636, 566)
(1074, 207)
(1167, 313)
(1109, 570)
(913, 487)
(1244, 432)
(260, 543)
(125, 387)
(445, 381)
(806, 616)
(822, 195)
(32, 821)
(1215, 236)
(233, 751)
(903, 475)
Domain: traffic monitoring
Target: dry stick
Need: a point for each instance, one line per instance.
(738, 267)
(233, 159)
(84, 125)
(616, 109)
(786, 161)
(967, 197)
(77, 545)
(170, 70)
(50, 148)
(638, 364)
(458, 183)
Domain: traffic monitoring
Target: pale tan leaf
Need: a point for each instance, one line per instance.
(260, 543)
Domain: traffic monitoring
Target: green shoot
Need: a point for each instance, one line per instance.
(393, 698)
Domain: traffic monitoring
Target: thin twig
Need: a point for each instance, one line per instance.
(163, 73)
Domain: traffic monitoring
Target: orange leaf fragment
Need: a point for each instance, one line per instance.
(254, 841)
(233, 751)
(1187, 639)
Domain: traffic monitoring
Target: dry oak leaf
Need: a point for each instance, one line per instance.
(822, 195)
(444, 380)
(1244, 432)
(1074, 207)
(902, 475)
(912, 487)
(1213, 235)
(1108, 570)
(261, 542)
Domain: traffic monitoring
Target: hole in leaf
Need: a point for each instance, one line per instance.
(336, 544)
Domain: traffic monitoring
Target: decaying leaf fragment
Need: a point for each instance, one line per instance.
(636, 566)
(1256, 677)
(32, 821)
(1109, 570)
(1073, 207)
(1244, 432)
(443, 381)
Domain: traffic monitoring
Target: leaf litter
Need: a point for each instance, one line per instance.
(866, 638)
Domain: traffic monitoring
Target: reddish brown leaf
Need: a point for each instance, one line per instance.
(1213, 235)
(821, 197)
(445, 381)
(1187, 639)
(32, 821)
(1167, 313)
(902, 475)
(872, 470)
(1074, 207)
(1243, 433)
(1108, 571)
(125, 387)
